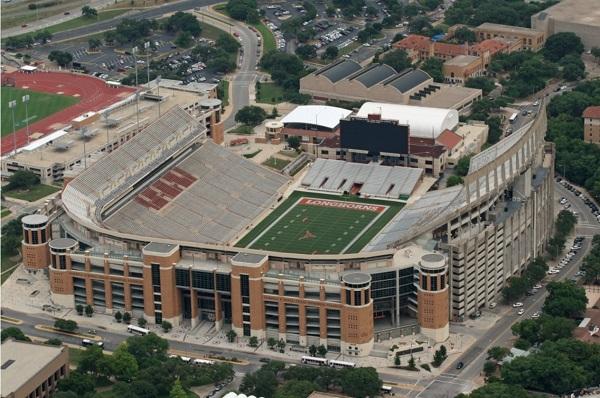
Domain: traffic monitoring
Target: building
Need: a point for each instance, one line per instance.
(171, 226)
(346, 80)
(92, 135)
(32, 370)
(581, 17)
(420, 48)
(313, 123)
(463, 67)
(487, 48)
(591, 124)
(530, 39)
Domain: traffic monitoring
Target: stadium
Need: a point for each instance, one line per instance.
(172, 226)
(56, 98)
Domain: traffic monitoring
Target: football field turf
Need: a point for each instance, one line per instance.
(40, 105)
(320, 224)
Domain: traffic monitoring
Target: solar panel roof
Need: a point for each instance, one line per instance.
(410, 80)
(375, 75)
(339, 71)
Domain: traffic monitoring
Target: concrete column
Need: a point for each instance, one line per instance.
(108, 295)
(302, 322)
(194, 307)
(218, 311)
(127, 296)
(89, 294)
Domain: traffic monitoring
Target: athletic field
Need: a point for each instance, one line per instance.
(313, 223)
(40, 105)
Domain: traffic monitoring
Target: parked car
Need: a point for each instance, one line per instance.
(517, 304)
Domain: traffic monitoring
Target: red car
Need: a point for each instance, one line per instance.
(236, 34)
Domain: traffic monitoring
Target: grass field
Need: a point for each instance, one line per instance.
(40, 106)
(268, 40)
(31, 195)
(300, 225)
(276, 163)
(270, 93)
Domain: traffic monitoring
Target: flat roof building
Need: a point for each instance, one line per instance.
(32, 370)
(346, 80)
(530, 39)
(581, 17)
(461, 68)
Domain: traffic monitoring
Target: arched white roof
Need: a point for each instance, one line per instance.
(319, 115)
(424, 122)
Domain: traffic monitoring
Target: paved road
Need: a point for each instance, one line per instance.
(455, 381)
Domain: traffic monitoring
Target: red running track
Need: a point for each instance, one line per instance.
(93, 93)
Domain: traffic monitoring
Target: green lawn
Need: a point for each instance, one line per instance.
(276, 163)
(300, 227)
(252, 154)
(37, 192)
(40, 106)
(5, 212)
(224, 87)
(268, 40)
(270, 93)
(211, 32)
(7, 264)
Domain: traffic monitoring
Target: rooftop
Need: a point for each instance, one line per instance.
(339, 70)
(23, 360)
(375, 74)
(507, 28)
(462, 60)
(319, 115)
(408, 79)
(584, 12)
(159, 247)
(592, 112)
(491, 45)
(449, 139)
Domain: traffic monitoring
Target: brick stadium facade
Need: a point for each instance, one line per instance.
(480, 234)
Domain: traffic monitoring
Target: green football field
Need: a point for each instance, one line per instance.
(320, 224)
(40, 106)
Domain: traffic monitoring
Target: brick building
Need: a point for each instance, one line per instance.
(530, 39)
(591, 124)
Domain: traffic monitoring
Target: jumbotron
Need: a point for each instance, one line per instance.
(172, 226)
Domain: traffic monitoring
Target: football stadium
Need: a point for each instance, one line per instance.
(173, 226)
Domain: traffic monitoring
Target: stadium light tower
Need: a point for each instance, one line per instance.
(12, 105)
(26, 101)
(134, 51)
(147, 49)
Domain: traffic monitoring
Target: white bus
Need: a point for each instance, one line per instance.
(341, 364)
(386, 389)
(203, 362)
(137, 330)
(513, 117)
(314, 361)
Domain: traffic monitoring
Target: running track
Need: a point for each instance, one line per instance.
(94, 95)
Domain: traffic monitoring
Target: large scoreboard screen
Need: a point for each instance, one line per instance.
(374, 136)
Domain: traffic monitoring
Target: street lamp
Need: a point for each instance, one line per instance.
(26, 101)
(147, 49)
(12, 105)
(158, 93)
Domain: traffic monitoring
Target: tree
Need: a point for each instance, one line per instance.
(147, 349)
(177, 391)
(495, 129)
(312, 350)
(118, 316)
(293, 142)
(94, 43)
(296, 388)
(89, 359)
(261, 383)
(166, 326)
(183, 22)
(397, 361)
(184, 39)
(127, 318)
(271, 342)
(22, 179)
(433, 66)
(89, 12)
(485, 84)
(560, 44)
(231, 335)
(411, 363)
(498, 353)
(464, 34)
(227, 43)
(123, 364)
(438, 358)
(15, 333)
(397, 59)
(62, 58)
(489, 368)
(331, 52)
(497, 390)
(371, 11)
(462, 166)
(281, 345)
(66, 325)
(306, 51)
(243, 10)
(43, 36)
(253, 341)
(79, 309)
(322, 350)
(142, 322)
(330, 11)
(360, 382)
(77, 382)
(566, 299)
(596, 53)
(454, 180)
(251, 115)
(54, 341)
(419, 24)
(89, 311)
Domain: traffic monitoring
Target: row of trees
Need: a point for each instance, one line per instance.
(564, 225)
(517, 286)
(507, 12)
(27, 40)
(300, 381)
(140, 368)
(243, 10)
(591, 263)
(286, 70)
